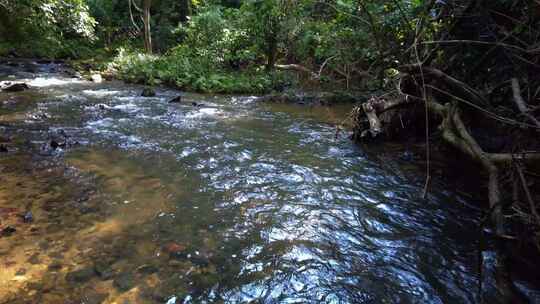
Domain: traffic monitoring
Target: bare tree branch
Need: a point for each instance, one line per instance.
(521, 104)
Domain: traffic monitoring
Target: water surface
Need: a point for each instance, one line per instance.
(228, 201)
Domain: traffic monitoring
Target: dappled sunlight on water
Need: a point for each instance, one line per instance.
(220, 199)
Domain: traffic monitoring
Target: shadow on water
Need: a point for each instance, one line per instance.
(229, 202)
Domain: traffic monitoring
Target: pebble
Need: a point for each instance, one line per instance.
(8, 231)
(20, 272)
(28, 217)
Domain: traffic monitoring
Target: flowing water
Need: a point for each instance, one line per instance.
(230, 201)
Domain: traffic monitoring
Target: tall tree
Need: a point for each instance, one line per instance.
(146, 21)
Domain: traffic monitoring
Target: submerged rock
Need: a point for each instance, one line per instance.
(103, 270)
(55, 266)
(8, 231)
(124, 281)
(148, 92)
(175, 250)
(34, 259)
(93, 297)
(81, 275)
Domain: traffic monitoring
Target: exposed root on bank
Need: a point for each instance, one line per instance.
(455, 132)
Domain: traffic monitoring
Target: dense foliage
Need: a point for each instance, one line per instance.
(50, 28)
(207, 45)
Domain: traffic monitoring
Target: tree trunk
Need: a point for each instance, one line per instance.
(146, 20)
(271, 53)
(185, 10)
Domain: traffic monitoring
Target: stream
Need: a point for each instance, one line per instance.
(217, 199)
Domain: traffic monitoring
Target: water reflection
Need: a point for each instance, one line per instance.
(237, 202)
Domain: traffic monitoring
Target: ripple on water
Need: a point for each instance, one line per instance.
(236, 202)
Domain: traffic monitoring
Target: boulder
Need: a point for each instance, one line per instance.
(96, 78)
(148, 92)
(15, 87)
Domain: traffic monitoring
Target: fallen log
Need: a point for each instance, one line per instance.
(298, 68)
